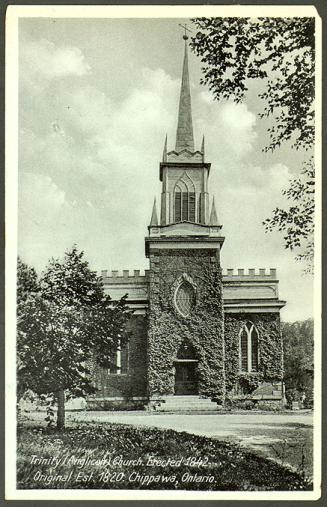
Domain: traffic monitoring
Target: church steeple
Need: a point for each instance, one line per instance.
(185, 216)
(184, 135)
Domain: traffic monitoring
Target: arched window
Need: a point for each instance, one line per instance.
(185, 298)
(244, 350)
(254, 349)
(186, 351)
(119, 360)
(249, 348)
(184, 200)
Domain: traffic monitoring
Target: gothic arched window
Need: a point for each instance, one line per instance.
(244, 350)
(185, 298)
(249, 348)
(184, 200)
(254, 349)
(119, 360)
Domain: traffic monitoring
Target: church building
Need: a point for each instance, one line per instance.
(200, 336)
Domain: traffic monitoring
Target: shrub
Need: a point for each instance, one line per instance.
(271, 406)
(292, 395)
(244, 404)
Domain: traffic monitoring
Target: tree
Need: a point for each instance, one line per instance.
(297, 221)
(66, 327)
(27, 288)
(27, 283)
(281, 53)
(298, 344)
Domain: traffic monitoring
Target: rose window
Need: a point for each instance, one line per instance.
(185, 298)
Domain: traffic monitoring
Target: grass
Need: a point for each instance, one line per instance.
(291, 444)
(117, 456)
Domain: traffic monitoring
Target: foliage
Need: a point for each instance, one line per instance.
(270, 350)
(292, 394)
(232, 468)
(298, 360)
(27, 282)
(297, 222)
(130, 385)
(268, 405)
(202, 329)
(243, 403)
(279, 51)
(65, 326)
(249, 382)
(27, 288)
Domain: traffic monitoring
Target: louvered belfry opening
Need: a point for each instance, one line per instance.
(184, 206)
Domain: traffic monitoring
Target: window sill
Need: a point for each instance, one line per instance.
(253, 372)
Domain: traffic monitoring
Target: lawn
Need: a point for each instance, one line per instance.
(290, 444)
(119, 456)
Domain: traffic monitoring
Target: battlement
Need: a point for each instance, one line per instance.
(250, 273)
(227, 273)
(125, 274)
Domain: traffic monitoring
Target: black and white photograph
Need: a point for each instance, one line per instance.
(163, 180)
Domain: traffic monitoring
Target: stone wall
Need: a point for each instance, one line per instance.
(202, 329)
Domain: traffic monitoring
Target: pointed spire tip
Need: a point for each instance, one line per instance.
(164, 154)
(154, 217)
(184, 135)
(213, 215)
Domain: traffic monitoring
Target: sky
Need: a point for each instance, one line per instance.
(96, 99)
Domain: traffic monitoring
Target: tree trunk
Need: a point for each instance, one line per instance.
(61, 410)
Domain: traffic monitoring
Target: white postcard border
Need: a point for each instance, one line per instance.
(11, 158)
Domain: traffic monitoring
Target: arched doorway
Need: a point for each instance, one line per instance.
(186, 370)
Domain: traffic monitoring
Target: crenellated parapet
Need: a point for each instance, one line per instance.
(116, 276)
(250, 273)
(251, 290)
(133, 283)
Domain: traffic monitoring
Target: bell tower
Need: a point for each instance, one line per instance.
(185, 286)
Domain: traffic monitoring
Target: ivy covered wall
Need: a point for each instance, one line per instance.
(202, 329)
(270, 346)
(133, 383)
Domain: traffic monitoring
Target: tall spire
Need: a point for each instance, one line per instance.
(184, 136)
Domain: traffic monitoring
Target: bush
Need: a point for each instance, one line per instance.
(242, 402)
(271, 406)
(112, 405)
(249, 383)
(293, 395)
